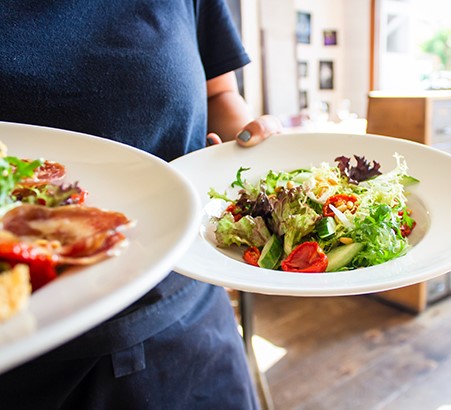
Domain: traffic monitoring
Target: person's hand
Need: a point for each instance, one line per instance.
(258, 130)
(252, 133)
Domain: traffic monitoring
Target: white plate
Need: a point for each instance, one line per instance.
(430, 200)
(118, 178)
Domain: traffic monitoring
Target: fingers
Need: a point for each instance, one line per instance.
(253, 132)
(213, 139)
(258, 130)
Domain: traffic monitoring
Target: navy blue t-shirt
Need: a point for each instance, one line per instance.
(133, 71)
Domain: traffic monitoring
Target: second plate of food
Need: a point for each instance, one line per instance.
(120, 178)
(217, 167)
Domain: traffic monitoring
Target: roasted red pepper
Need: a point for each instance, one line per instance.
(41, 264)
(251, 255)
(308, 257)
(338, 201)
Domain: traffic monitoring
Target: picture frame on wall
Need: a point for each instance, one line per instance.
(303, 27)
(302, 69)
(330, 37)
(303, 100)
(325, 107)
(326, 75)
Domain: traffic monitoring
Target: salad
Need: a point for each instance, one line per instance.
(45, 227)
(326, 218)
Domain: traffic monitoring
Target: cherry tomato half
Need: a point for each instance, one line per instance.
(406, 228)
(308, 257)
(337, 201)
(251, 255)
(235, 211)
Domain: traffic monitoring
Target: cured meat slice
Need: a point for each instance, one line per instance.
(77, 234)
(48, 172)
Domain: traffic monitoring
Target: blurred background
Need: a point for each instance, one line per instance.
(317, 60)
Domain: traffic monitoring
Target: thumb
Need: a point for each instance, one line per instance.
(213, 139)
(258, 130)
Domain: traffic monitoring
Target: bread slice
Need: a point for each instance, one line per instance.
(15, 290)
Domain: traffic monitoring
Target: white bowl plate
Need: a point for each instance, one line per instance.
(120, 178)
(216, 167)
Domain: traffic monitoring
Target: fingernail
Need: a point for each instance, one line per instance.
(210, 141)
(244, 136)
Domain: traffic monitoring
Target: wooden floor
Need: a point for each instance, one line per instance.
(355, 353)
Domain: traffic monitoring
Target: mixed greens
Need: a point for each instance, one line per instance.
(13, 170)
(23, 181)
(325, 218)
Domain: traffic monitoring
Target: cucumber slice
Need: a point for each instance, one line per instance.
(326, 227)
(342, 255)
(271, 253)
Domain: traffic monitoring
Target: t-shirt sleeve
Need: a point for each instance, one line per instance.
(220, 45)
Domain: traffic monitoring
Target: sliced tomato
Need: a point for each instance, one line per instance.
(308, 257)
(251, 255)
(337, 201)
(42, 264)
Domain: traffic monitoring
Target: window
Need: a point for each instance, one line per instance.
(412, 44)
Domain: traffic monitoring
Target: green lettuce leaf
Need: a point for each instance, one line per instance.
(247, 231)
(380, 232)
(292, 218)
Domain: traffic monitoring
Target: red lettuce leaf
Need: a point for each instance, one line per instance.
(362, 171)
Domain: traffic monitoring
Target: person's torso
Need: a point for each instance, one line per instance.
(127, 70)
(134, 71)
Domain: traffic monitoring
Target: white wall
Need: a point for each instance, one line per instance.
(350, 18)
(250, 31)
(278, 58)
(356, 53)
(325, 14)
